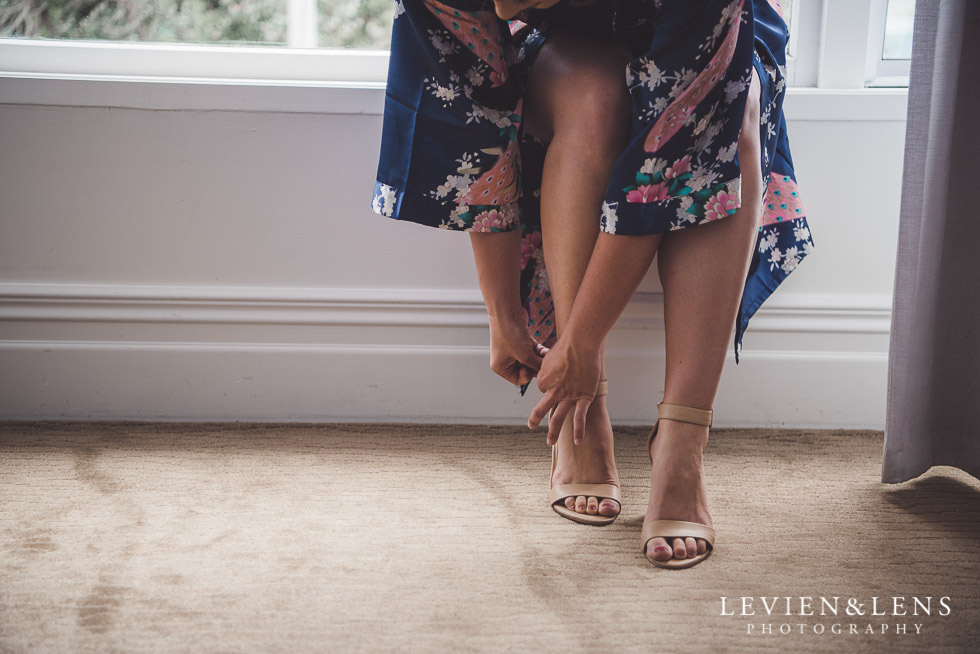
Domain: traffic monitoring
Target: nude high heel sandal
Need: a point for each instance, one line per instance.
(557, 494)
(667, 529)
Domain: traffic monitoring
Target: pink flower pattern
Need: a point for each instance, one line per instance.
(648, 193)
(720, 205)
(529, 245)
(679, 167)
(488, 221)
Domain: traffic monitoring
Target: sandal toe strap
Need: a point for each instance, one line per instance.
(676, 529)
(601, 491)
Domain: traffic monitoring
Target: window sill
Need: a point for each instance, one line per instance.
(176, 76)
(199, 94)
(349, 97)
(889, 81)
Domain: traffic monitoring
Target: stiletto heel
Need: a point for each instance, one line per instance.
(677, 528)
(599, 491)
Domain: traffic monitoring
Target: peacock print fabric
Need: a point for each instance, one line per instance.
(454, 154)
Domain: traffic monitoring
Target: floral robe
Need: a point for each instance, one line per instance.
(454, 154)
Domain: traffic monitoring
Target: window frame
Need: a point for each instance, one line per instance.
(856, 27)
(880, 71)
(802, 58)
(301, 23)
(190, 62)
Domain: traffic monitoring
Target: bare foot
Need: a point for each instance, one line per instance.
(677, 490)
(590, 462)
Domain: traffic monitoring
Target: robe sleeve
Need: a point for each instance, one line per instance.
(449, 152)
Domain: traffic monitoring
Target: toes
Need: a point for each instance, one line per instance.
(608, 508)
(691, 547)
(658, 550)
(680, 550)
(570, 503)
(580, 504)
(592, 505)
(702, 546)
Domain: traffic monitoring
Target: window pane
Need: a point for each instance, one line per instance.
(787, 13)
(355, 23)
(239, 22)
(787, 9)
(898, 29)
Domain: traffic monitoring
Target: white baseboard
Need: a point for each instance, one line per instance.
(126, 352)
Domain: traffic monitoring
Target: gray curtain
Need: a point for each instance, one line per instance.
(933, 414)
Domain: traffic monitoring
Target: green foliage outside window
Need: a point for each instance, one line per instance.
(355, 23)
(340, 23)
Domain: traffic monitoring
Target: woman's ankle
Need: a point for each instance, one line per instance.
(682, 433)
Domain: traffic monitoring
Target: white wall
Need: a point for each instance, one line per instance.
(208, 253)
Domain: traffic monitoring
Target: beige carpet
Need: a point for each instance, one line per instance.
(244, 537)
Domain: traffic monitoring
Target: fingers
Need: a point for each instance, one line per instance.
(562, 409)
(509, 372)
(523, 371)
(541, 410)
(525, 375)
(557, 420)
(535, 357)
(517, 373)
(530, 364)
(578, 421)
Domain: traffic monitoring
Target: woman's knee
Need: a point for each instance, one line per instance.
(750, 150)
(582, 88)
(752, 118)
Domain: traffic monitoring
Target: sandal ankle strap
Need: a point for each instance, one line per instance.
(683, 413)
(680, 413)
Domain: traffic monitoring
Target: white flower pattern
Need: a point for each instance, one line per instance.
(384, 200)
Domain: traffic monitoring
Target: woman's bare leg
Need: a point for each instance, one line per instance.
(703, 271)
(578, 98)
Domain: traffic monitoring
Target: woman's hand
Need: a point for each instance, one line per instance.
(569, 378)
(514, 355)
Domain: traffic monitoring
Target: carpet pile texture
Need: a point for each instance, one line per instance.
(258, 537)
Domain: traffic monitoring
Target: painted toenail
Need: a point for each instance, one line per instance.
(660, 548)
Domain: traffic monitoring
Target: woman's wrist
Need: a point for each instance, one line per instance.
(506, 312)
(586, 343)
